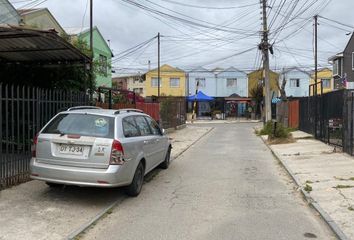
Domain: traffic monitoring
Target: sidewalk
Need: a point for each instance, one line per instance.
(34, 211)
(327, 176)
(224, 121)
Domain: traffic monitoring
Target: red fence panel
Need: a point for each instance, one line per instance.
(152, 109)
(293, 112)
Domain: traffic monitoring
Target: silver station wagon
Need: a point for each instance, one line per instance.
(89, 146)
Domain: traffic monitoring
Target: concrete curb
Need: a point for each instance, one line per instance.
(324, 215)
(170, 130)
(75, 234)
(180, 153)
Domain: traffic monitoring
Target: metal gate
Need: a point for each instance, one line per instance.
(24, 110)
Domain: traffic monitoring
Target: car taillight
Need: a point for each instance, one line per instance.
(34, 145)
(116, 153)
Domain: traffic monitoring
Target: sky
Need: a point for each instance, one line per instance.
(209, 33)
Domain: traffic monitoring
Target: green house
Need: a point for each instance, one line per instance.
(101, 53)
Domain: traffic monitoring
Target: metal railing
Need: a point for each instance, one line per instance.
(24, 111)
(325, 117)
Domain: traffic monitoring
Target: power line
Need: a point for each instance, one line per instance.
(209, 7)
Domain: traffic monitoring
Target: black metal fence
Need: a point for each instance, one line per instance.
(173, 111)
(24, 111)
(329, 117)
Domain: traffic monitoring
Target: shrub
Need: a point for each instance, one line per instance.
(280, 131)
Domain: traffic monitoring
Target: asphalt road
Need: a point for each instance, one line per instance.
(227, 186)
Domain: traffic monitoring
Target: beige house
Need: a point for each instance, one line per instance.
(135, 83)
(40, 18)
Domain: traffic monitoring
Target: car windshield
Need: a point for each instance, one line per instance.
(82, 124)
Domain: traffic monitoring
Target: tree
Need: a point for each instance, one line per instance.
(282, 89)
(257, 95)
(282, 106)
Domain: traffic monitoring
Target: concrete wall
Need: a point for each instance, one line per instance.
(210, 82)
(255, 77)
(222, 90)
(166, 72)
(100, 47)
(8, 14)
(347, 64)
(323, 74)
(303, 89)
(42, 19)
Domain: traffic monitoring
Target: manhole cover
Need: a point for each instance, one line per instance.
(310, 235)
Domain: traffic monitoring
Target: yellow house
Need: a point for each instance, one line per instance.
(172, 82)
(256, 77)
(325, 76)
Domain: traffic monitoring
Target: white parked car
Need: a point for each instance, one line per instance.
(89, 146)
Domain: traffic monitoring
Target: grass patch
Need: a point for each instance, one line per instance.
(351, 208)
(279, 132)
(343, 186)
(345, 179)
(308, 182)
(308, 188)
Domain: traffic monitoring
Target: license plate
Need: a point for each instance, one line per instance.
(71, 149)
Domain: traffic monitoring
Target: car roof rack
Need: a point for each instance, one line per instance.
(82, 108)
(128, 110)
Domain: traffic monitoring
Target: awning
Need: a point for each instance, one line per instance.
(200, 97)
(276, 100)
(19, 44)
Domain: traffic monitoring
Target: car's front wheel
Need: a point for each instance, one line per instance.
(134, 188)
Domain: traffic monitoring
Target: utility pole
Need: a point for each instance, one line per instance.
(195, 101)
(91, 44)
(315, 90)
(316, 23)
(158, 65)
(265, 47)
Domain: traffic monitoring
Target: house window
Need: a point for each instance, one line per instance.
(103, 65)
(138, 79)
(231, 82)
(174, 82)
(335, 67)
(138, 90)
(154, 82)
(201, 82)
(294, 82)
(326, 82)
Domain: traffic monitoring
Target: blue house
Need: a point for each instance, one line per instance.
(228, 86)
(231, 81)
(297, 82)
(206, 79)
(221, 83)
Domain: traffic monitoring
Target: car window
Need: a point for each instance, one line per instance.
(154, 126)
(82, 124)
(143, 126)
(130, 129)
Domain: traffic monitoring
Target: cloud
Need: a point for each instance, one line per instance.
(126, 26)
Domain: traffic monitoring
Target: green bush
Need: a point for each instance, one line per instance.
(267, 128)
(280, 131)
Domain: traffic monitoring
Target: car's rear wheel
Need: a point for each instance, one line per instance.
(54, 185)
(166, 163)
(134, 188)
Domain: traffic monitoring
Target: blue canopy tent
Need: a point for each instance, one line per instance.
(203, 109)
(200, 97)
